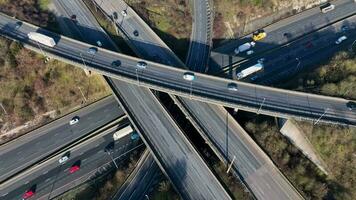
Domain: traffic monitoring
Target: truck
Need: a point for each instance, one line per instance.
(123, 132)
(248, 71)
(244, 47)
(41, 38)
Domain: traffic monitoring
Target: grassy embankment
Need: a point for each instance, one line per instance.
(170, 19)
(31, 88)
(335, 144)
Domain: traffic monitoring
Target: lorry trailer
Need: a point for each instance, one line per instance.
(248, 71)
(43, 39)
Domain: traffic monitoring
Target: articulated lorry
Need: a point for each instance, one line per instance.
(248, 71)
(125, 131)
(43, 39)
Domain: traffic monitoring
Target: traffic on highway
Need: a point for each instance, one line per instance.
(210, 89)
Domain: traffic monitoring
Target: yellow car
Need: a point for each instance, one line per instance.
(259, 35)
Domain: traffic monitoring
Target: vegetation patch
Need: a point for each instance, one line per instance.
(30, 88)
(300, 171)
(170, 19)
(337, 147)
(335, 78)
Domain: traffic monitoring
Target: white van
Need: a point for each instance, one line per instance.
(327, 7)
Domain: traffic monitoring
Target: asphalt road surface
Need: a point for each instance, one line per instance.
(289, 60)
(261, 99)
(42, 142)
(295, 26)
(179, 160)
(129, 23)
(200, 39)
(123, 91)
(138, 184)
(52, 178)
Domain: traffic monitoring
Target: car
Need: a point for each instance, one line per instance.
(124, 13)
(342, 38)
(232, 86)
(74, 168)
(253, 78)
(18, 25)
(134, 136)
(259, 35)
(344, 28)
(261, 60)
(110, 147)
(114, 15)
(351, 105)
(141, 65)
(327, 7)
(287, 35)
(189, 76)
(29, 193)
(73, 18)
(308, 45)
(92, 50)
(63, 159)
(99, 43)
(74, 120)
(249, 52)
(116, 63)
(135, 33)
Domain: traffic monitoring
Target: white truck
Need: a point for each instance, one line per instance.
(244, 47)
(122, 132)
(248, 71)
(43, 39)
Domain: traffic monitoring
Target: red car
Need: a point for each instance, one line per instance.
(28, 194)
(74, 168)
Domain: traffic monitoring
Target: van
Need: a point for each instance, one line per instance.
(327, 7)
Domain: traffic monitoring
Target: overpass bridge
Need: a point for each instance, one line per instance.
(249, 97)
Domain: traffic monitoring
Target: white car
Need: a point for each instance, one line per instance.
(63, 159)
(261, 60)
(124, 13)
(342, 38)
(99, 43)
(232, 87)
(141, 65)
(74, 120)
(188, 76)
(250, 52)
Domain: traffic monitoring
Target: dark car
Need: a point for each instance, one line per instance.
(110, 147)
(73, 18)
(351, 105)
(135, 33)
(116, 63)
(287, 35)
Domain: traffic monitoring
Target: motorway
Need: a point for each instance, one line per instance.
(196, 173)
(200, 39)
(230, 141)
(52, 179)
(36, 145)
(303, 53)
(147, 172)
(210, 121)
(250, 97)
(130, 23)
(297, 26)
